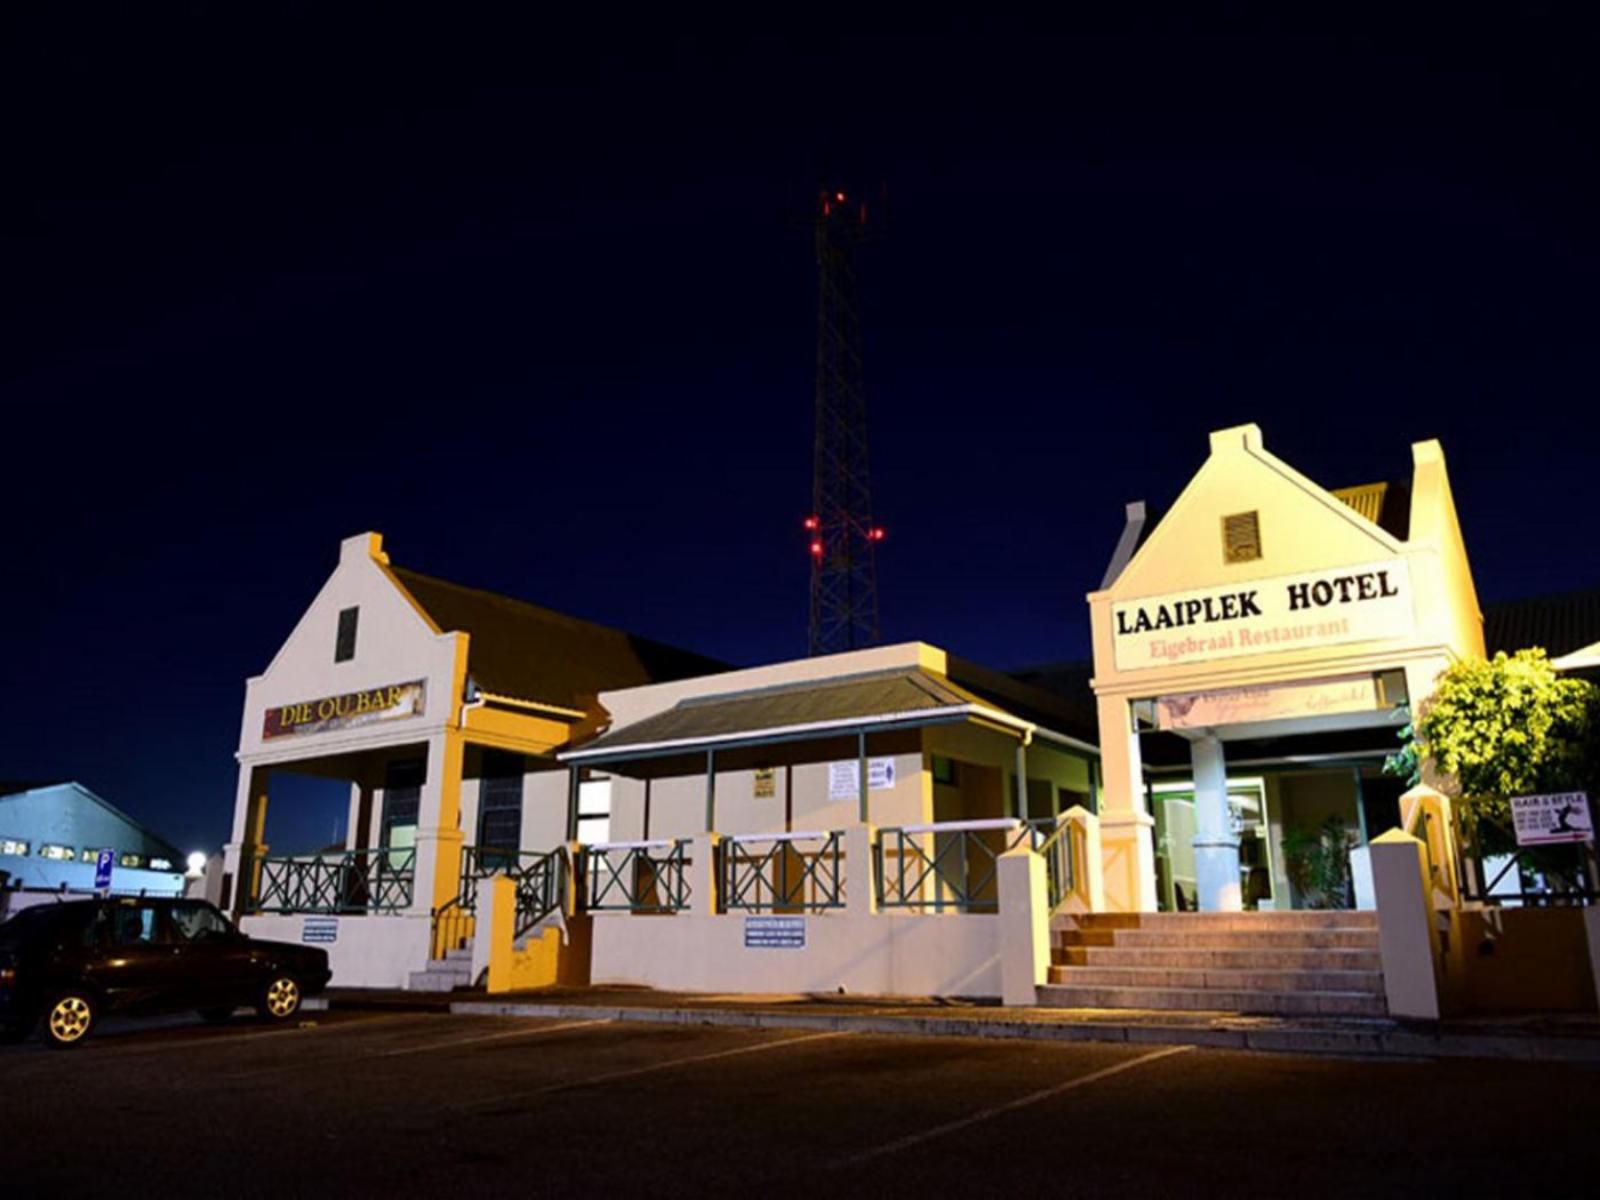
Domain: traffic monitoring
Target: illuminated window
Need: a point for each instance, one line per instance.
(131, 860)
(160, 864)
(1241, 537)
(87, 855)
(8, 846)
(344, 647)
(57, 853)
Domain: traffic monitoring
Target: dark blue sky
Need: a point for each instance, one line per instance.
(539, 307)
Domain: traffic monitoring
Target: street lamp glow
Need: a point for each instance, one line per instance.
(197, 863)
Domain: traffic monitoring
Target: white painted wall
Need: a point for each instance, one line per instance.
(884, 954)
(372, 952)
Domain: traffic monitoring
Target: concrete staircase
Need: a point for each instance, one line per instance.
(445, 974)
(1283, 963)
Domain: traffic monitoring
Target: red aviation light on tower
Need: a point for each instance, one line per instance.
(816, 548)
(875, 534)
(812, 523)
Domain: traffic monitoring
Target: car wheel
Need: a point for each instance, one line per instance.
(280, 999)
(68, 1019)
(215, 1016)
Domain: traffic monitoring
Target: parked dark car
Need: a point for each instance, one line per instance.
(63, 966)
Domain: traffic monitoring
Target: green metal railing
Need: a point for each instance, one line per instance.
(540, 877)
(357, 881)
(953, 866)
(640, 877)
(783, 876)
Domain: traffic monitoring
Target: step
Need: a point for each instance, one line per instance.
(459, 954)
(1304, 1004)
(1279, 959)
(1226, 939)
(1233, 921)
(1370, 982)
(440, 977)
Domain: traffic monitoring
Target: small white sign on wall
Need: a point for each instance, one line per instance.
(1560, 817)
(844, 777)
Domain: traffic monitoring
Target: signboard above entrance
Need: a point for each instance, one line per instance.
(1366, 603)
(387, 703)
(1269, 702)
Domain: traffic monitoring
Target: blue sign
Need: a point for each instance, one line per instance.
(102, 869)
(320, 931)
(774, 933)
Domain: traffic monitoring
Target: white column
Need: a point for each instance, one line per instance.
(1024, 926)
(1405, 933)
(860, 875)
(1216, 846)
(1127, 843)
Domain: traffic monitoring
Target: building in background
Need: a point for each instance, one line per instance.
(51, 835)
(441, 707)
(1255, 653)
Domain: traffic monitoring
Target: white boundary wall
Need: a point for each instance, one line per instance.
(884, 953)
(369, 951)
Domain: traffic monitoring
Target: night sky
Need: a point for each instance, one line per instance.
(539, 306)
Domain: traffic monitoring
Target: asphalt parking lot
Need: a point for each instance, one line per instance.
(428, 1104)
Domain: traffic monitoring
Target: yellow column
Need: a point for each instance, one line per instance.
(1126, 839)
(241, 857)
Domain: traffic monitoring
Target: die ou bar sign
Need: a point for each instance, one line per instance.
(387, 703)
(1559, 817)
(1365, 603)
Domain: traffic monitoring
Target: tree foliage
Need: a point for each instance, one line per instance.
(1509, 726)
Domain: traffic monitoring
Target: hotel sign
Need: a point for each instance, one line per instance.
(1366, 603)
(387, 703)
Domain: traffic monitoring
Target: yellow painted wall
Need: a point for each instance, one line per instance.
(1525, 960)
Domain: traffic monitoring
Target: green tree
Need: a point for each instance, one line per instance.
(1510, 726)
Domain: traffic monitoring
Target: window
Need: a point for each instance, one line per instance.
(344, 646)
(402, 801)
(1241, 537)
(594, 811)
(10, 846)
(196, 922)
(944, 769)
(131, 860)
(136, 925)
(500, 801)
(88, 855)
(57, 853)
(161, 864)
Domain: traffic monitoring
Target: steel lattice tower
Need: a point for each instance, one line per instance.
(844, 578)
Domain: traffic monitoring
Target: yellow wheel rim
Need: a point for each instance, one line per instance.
(69, 1019)
(283, 997)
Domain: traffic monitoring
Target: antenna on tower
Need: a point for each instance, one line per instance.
(843, 535)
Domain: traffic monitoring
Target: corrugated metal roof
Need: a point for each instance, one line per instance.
(1560, 623)
(531, 653)
(910, 690)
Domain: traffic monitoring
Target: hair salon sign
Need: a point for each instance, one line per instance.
(1366, 603)
(386, 703)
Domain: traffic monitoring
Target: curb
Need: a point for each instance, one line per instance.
(1379, 1041)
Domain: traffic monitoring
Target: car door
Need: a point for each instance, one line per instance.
(132, 965)
(215, 967)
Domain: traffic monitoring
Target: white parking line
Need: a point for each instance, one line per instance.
(632, 1072)
(487, 1037)
(227, 1039)
(916, 1139)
